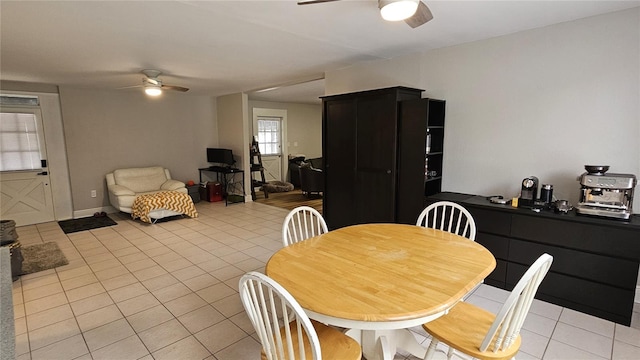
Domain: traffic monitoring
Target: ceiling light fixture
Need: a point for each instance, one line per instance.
(152, 89)
(396, 10)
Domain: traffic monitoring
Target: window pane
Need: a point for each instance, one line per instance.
(19, 100)
(269, 135)
(19, 147)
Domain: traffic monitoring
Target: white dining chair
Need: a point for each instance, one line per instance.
(481, 334)
(450, 217)
(302, 223)
(267, 303)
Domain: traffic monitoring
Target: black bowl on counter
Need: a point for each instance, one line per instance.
(596, 169)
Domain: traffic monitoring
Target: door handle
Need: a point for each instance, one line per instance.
(43, 173)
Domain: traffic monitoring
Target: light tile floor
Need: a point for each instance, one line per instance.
(169, 291)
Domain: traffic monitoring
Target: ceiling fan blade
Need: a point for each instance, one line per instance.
(129, 87)
(309, 2)
(422, 16)
(175, 88)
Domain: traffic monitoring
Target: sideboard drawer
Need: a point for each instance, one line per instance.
(603, 269)
(497, 245)
(579, 294)
(499, 275)
(489, 221)
(586, 237)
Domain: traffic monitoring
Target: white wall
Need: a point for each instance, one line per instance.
(109, 129)
(233, 130)
(542, 102)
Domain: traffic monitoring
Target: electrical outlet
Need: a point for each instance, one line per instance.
(93, 193)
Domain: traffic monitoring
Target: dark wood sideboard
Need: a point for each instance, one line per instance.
(596, 260)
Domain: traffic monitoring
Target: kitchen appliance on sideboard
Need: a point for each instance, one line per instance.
(528, 192)
(607, 195)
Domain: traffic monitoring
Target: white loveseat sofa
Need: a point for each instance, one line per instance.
(125, 184)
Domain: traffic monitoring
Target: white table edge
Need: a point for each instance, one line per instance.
(372, 325)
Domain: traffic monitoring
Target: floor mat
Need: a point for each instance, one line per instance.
(88, 223)
(41, 257)
(290, 200)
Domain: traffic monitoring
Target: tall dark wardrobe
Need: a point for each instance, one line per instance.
(375, 163)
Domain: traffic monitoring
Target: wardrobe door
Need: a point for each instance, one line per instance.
(376, 157)
(411, 159)
(339, 157)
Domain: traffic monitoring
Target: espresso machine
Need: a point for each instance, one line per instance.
(606, 195)
(528, 192)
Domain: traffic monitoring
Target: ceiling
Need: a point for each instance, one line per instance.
(224, 47)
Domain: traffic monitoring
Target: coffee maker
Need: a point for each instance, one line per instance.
(528, 192)
(606, 195)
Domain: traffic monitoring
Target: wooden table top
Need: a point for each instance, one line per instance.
(381, 272)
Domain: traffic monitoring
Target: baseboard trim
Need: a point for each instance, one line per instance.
(89, 212)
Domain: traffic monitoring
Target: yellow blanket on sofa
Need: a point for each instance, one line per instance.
(169, 200)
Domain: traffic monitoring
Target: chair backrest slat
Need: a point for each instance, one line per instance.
(302, 223)
(275, 327)
(300, 343)
(450, 217)
(276, 317)
(511, 316)
(442, 218)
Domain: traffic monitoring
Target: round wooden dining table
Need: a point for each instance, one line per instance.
(379, 280)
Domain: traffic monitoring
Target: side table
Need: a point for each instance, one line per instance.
(232, 181)
(194, 192)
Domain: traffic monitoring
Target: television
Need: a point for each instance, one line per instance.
(220, 156)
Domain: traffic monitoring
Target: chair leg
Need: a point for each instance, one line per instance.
(431, 349)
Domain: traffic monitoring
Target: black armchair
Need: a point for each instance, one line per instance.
(296, 163)
(311, 180)
(294, 170)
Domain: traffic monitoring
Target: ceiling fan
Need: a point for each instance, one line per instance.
(413, 12)
(153, 86)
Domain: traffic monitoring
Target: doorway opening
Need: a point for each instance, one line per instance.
(268, 125)
(24, 176)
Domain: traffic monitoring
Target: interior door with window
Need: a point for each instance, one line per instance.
(268, 131)
(25, 191)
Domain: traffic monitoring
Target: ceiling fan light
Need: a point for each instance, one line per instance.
(152, 90)
(396, 10)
